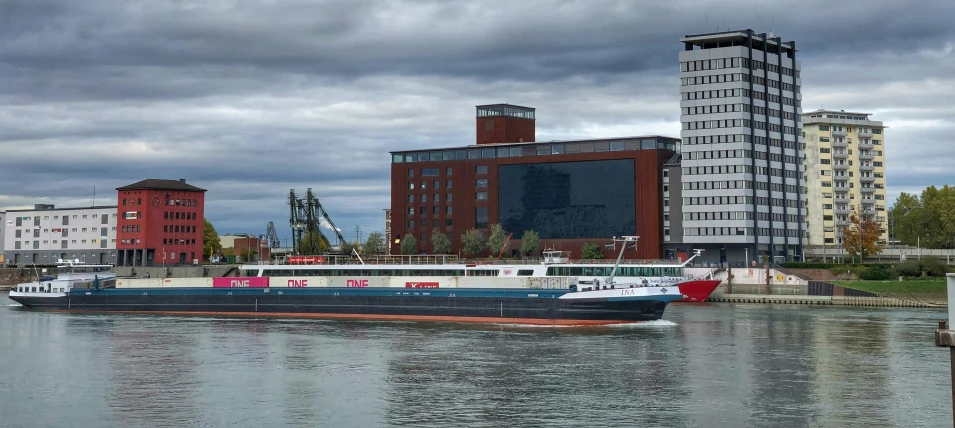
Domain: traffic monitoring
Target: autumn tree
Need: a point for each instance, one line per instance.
(474, 242)
(497, 240)
(409, 245)
(530, 243)
(440, 243)
(311, 243)
(375, 244)
(860, 238)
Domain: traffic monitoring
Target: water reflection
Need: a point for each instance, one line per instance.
(712, 365)
(146, 356)
(563, 377)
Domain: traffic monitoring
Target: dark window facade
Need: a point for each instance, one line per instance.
(569, 200)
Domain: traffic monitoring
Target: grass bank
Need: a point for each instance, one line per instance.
(918, 289)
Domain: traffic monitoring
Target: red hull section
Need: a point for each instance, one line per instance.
(698, 290)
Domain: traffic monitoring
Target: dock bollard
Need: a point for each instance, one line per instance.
(946, 337)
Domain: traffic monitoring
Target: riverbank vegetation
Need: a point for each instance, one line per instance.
(932, 288)
(928, 268)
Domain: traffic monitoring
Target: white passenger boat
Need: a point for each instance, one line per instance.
(71, 274)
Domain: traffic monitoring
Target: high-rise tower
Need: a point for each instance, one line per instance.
(845, 170)
(742, 176)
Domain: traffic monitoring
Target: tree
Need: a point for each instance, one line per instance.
(311, 243)
(347, 247)
(860, 238)
(375, 244)
(530, 243)
(228, 251)
(440, 243)
(927, 221)
(210, 239)
(409, 245)
(497, 240)
(591, 251)
(474, 243)
(248, 254)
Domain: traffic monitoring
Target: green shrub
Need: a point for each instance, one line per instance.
(875, 273)
(913, 268)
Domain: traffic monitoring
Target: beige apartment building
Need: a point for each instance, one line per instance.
(844, 158)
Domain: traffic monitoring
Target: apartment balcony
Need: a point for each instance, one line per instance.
(866, 167)
(868, 179)
(865, 135)
(866, 156)
(867, 190)
(840, 155)
(841, 199)
(843, 211)
(841, 166)
(866, 145)
(841, 188)
(840, 134)
(842, 144)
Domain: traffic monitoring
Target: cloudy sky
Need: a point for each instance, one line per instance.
(251, 98)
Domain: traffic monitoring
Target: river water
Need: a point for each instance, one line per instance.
(710, 365)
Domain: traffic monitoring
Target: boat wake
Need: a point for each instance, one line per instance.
(535, 325)
(13, 305)
(642, 324)
(646, 324)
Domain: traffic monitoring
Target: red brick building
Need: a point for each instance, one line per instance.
(159, 223)
(570, 192)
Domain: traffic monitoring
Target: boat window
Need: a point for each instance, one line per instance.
(525, 272)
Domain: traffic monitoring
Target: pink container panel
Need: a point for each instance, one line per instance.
(230, 282)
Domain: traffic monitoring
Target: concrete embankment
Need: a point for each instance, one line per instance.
(13, 276)
(824, 300)
(818, 293)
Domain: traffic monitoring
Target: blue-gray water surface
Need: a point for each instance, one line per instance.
(710, 365)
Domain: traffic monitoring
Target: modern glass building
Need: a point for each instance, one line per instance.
(569, 192)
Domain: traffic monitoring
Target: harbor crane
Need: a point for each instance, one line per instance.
(305, 219)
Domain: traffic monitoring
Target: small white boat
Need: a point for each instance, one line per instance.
(70, 274)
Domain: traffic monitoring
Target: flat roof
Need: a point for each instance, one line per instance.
(95, 207)
(534, 143)
(729, 35)
(505, 105)
(837, 112)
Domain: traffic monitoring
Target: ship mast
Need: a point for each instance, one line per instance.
(626, 243)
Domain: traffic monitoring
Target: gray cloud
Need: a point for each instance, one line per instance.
(251, 98)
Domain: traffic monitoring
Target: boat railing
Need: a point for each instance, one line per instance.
(443, 259)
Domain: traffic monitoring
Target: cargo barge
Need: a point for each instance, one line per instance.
(422, 293)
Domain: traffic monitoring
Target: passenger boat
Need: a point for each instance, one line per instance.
(465, 293)
(71, 275)
(341, 270)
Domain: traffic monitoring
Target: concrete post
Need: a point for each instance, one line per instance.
(945, 337)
